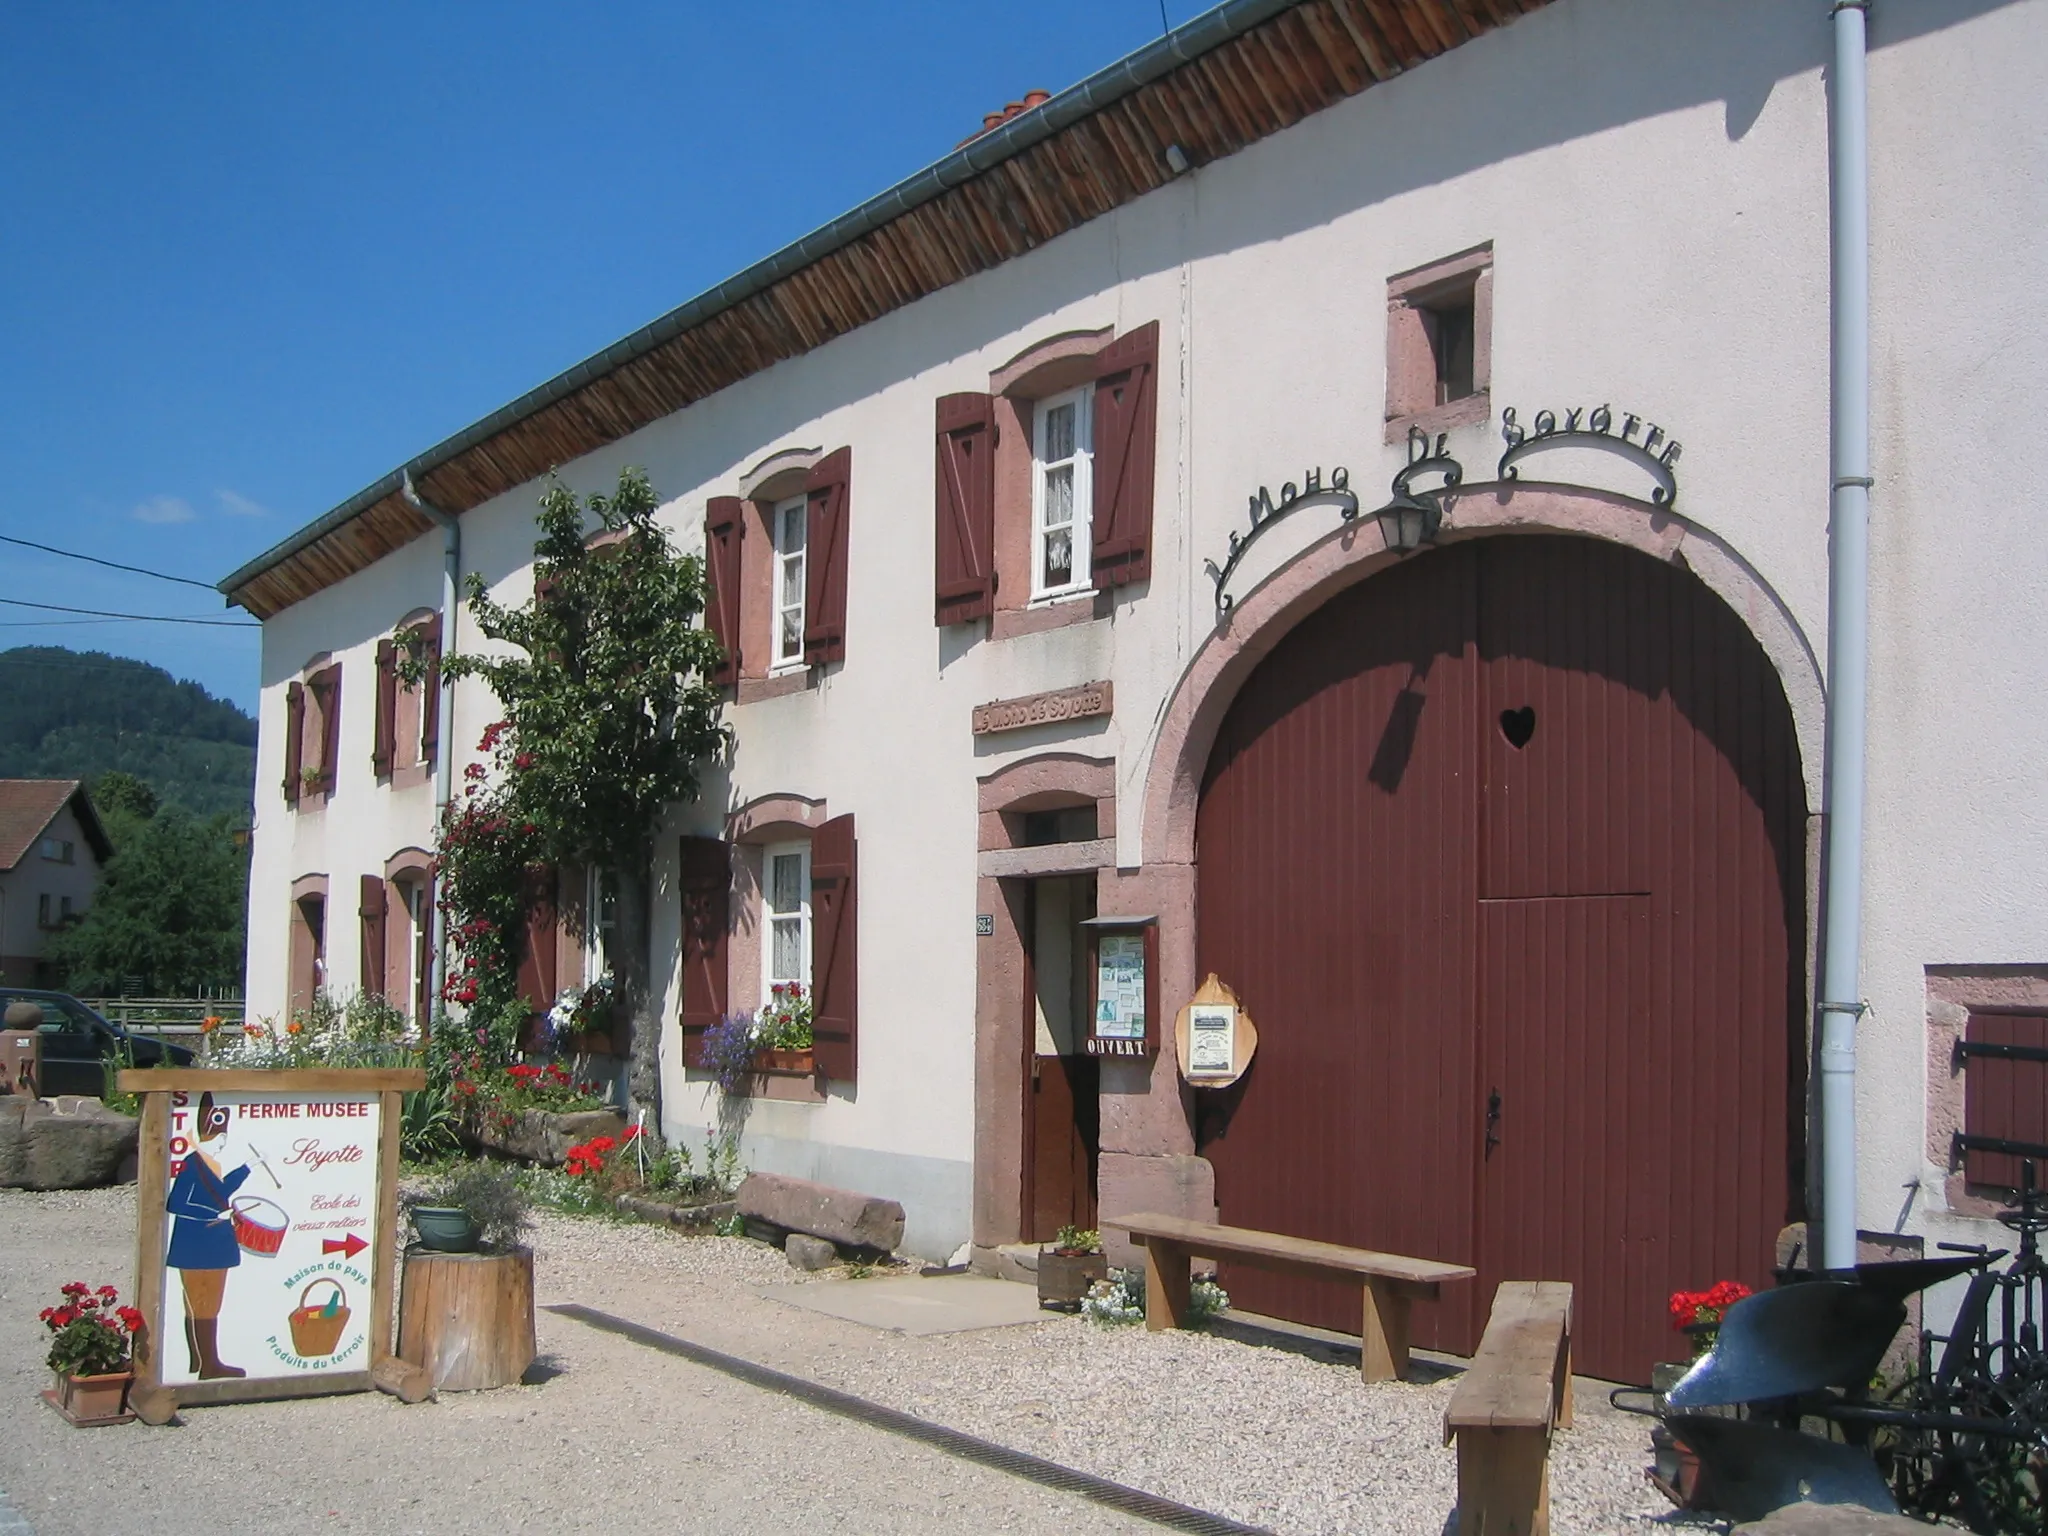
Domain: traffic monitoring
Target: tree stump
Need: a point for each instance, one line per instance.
(467, 1318)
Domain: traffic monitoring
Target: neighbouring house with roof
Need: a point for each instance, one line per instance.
(1497, 529)
(51, 848)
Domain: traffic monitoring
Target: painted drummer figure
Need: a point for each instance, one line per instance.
(203, 1246)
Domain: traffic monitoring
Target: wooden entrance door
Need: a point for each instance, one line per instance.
(1504, 851)
(1062, 1112)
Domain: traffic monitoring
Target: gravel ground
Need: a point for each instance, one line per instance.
(1286, 1437)
(616, 1437)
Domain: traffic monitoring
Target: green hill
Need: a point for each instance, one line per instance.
(77, 714)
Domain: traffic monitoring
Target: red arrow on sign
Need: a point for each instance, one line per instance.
(348, 1247)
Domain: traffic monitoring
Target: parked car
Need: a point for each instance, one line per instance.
(77, 1043)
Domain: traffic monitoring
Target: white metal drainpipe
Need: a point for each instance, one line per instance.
(1841, 993)
(444, 736)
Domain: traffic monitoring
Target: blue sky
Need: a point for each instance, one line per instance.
(254, 257)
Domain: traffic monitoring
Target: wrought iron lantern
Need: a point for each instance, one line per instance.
(1409, 522)
(1412, 518)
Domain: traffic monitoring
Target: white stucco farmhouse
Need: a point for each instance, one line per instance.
(1040, 495)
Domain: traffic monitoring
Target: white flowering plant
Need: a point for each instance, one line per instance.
(581, 1010)
(1121, 1299)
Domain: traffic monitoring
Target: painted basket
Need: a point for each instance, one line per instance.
(260, 1225)
(316, 1330)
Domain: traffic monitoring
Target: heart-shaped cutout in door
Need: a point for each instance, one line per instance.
(1518, 725)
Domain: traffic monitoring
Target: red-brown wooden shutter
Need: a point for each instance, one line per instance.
(724, 527)
(2003, 1096)
(825, 558)
(705, 880)
(835, 946)
(965, 567)
(537, 957)
(294, 739)
(371, 910)
(430, 699)
(1126, 430)
(328, 685)
(387, 708)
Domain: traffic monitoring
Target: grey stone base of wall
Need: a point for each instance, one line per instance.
(1129, 1182)
(937, 1194)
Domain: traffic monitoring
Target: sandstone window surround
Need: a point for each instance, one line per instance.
(775, 556)
(1020, 477)
(396, 910)
(1973, 1094)
(732, 908)
(312, 734)
(408, 715)
(306, 947)
(1440, 344)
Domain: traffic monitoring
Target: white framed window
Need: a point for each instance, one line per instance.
(419, 952)
(786, 910)
(1062, 492)
(791, 518)
(600, 901)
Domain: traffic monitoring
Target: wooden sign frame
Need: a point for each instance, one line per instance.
(1244, 1035)
(153, 1399)
(1147, 928)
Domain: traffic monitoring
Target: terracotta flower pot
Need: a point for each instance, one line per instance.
(88, 1401)
(801, 1063)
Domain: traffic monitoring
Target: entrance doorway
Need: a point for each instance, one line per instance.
(1062, 1109)
(1504, 850)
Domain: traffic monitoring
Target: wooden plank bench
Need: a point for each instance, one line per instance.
(1518, 1389)
(1390, 1282)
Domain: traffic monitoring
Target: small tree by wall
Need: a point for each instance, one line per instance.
(610, 713)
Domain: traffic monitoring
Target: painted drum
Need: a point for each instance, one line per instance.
(260, 1225)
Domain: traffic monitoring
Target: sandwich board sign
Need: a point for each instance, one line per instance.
(266, 1231)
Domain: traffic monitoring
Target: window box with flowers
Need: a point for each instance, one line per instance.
(776, 1042)
(580, 1022)
(89, 1352)
(783, 1041)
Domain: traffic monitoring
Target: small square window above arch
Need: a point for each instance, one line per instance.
(1440, 344)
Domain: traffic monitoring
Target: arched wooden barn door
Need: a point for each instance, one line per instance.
(1503, 849)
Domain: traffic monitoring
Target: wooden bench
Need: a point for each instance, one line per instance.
(1518, 1389)
(1391, 1282)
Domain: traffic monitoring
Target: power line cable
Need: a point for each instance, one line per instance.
(112, 565)
(139, 618)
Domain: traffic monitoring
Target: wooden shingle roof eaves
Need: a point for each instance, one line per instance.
(1234, 75)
